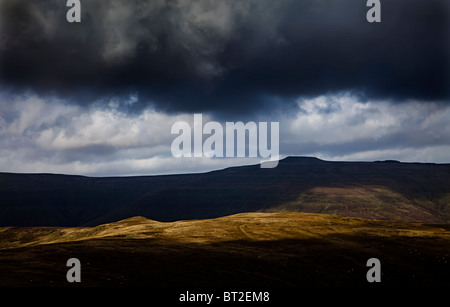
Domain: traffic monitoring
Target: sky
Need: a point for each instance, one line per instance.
(99, 97)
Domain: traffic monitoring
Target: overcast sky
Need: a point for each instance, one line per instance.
(99, 97)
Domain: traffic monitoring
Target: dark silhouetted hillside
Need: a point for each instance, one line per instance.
(374, 190)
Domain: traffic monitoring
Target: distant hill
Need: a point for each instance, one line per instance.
(372, 190)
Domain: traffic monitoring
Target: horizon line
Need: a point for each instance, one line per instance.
(225, 168)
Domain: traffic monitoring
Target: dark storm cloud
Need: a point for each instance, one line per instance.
(229, 56)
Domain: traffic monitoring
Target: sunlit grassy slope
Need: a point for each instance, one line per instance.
(249, 249)
(365, 201)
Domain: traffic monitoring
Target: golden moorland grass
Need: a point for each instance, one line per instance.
(270, 249)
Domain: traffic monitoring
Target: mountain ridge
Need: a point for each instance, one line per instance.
(388, 189)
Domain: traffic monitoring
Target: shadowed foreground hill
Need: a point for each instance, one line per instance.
(244, 250)
(373, 190)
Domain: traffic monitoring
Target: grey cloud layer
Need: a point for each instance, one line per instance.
(99, 97)
(342, 126)
(235, 56)
(40, 135)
